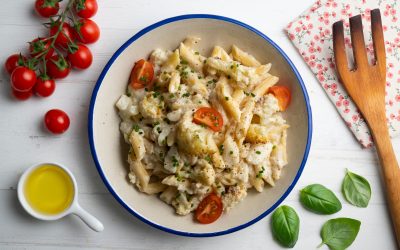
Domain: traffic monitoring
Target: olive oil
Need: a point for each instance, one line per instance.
(49, 190)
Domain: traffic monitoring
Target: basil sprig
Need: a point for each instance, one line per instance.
(356, 189)
(285, 226)
(319, 199)
(338, 234)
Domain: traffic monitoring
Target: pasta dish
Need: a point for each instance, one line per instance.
(203, 130)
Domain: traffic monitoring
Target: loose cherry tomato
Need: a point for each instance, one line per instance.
(56, 121)
(23, 79)
(87, 31)
(39, 46)
(65, 36)
(86, 8)
(57, 67)
(13, 62)
(22, 96)
(209, 117)
(282, 93)
(44, 86)
(209, 209)
(47, 8)
(82, 58)
(142, 74)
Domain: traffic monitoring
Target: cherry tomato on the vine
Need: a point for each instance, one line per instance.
(44, 86)
(58, 67)
(22, 96)
(56, 121)
(13, 62)
(86, 8)
(87, 31)
(81, 58)
(65, 36)
(39, 46)
(23, 79)
(47, 8)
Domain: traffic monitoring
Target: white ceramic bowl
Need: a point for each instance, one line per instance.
(110, 153)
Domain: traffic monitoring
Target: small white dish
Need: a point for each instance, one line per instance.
(74, 207)
(110, 152)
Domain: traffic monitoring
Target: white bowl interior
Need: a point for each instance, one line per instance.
(112, 152)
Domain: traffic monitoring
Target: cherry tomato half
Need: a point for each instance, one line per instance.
(22, 96)
(47, 8)
(209, 117)
(44, 86)
(209, 209)
(82, 58)
(65, 36)
(86, 8)
(39, 46)
(282, 93)
(13, 62)
(87, 31)
(142, 74)
(56, 121)
(23, 79)
(57, 67)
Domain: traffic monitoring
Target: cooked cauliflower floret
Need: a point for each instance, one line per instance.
(204, 172)
(234, 195)
(194, 139)
(151, 106)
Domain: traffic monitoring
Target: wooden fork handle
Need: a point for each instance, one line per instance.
(390, 171)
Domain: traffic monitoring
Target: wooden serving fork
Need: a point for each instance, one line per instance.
(365, 84)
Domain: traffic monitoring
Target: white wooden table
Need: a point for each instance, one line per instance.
(23, 140)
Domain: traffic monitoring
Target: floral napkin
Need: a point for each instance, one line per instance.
(311, 33)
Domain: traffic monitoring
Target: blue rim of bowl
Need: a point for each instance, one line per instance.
(137, 36)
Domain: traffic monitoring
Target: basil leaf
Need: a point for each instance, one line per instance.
(319, 199)
(356, 189)
(285, 226)
(338, 234)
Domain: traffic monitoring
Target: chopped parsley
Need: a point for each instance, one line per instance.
(231, 152)
(143, 79)
(221, 149)
(253, 95)
(258, 152)
(184, 62)
(171, 96)
(136, 127)
(187, 94)
(179, 178)
(259, 174)
(175, 162)
(156, 94)
(166, 120)
(226, 98)
(196, 53)
(208, 158)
